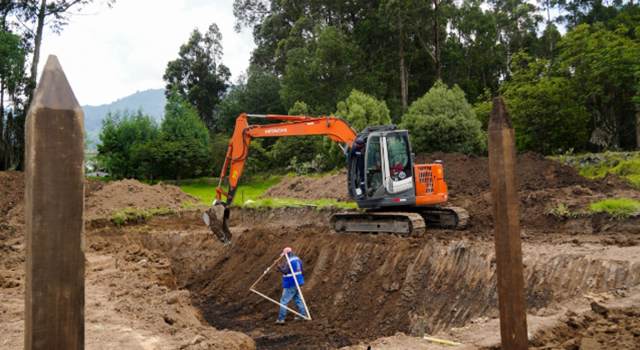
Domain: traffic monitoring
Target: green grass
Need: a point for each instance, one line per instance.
(250, 191)
(619, 208)
(205, 189)
(129, 215)
(598, 165)
(293, 202)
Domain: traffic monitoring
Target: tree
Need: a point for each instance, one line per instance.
(297, 153)
(605, 65)
(182, 148)
(546, 112)
(27, 20)
(11, 84)
(56, 14)
(198, 74)
(258, 93)
(323, 72)
(443, 120)
(517, 23)
(121, 139)
(362, 110)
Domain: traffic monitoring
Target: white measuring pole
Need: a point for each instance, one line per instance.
(277, 302)
(295, 280)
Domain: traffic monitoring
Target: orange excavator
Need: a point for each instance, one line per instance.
(396, 196)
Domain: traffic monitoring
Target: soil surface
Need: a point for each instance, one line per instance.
(311, 187)
(167, 284)
(133, 299)
(543, 184)
(107, 198)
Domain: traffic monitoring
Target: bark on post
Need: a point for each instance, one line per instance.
(54, 202)
(506, 216)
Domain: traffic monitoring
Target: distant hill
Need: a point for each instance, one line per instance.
(151, 102)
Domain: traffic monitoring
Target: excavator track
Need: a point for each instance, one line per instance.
(402, 223)
(446, 217)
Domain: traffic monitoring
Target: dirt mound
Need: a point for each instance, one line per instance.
(469, 175)
(465, 176)
(114, 196)
(101, 199)
(605, 329)
(311, 187)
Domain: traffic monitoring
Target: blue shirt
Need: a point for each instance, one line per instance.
(287, 275)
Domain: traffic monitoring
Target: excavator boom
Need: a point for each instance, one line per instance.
(238, 150)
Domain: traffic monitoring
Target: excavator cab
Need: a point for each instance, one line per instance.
(385, 175)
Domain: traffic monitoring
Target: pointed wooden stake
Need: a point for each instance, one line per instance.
(506, 216)
(54, 202)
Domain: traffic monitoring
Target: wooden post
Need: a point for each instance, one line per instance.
(506, 216)
(54, 202)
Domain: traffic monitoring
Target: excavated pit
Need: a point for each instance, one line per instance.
(363, 287)
(359, 287)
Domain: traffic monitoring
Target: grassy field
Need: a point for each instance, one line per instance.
(205, 188)
(250, 191)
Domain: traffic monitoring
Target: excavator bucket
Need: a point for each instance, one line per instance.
(216, 218)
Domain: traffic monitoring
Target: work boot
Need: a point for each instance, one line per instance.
(280, 322)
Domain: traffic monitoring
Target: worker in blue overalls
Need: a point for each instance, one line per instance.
(289, 289)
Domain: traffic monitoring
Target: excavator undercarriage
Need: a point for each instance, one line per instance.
(410, 223)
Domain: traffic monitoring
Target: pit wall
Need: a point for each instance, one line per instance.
(377, 285)
(367, 286)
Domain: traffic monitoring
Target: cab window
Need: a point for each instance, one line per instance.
(373, 166)
(399, 157)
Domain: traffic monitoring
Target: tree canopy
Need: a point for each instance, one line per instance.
(198, 74)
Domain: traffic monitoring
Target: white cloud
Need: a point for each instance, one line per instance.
(108, 53)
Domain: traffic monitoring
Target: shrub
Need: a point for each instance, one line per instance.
(362, 110)
(443, 120)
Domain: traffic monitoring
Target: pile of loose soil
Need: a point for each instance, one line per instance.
(114, 196)
(101, 199)
(469, 175)
(602, 328)
(311, 187)
(465, 176)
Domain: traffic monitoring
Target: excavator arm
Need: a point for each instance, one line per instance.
(335, 128)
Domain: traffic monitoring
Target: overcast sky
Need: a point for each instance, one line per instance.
(108, 53)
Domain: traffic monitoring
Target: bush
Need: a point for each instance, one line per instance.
(443, 120)
(132, 146)
(121, 139)
(182, 150)
(362, 110)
